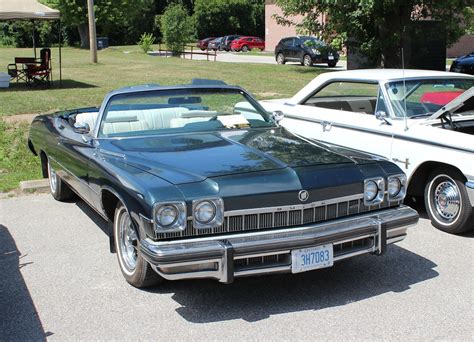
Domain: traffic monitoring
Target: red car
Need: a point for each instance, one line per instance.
(247, 43)
(203, 43)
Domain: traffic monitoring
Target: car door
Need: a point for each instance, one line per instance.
(73, 154)
(343, 113)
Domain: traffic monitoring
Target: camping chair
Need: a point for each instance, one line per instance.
(16, 70)
(40, 72)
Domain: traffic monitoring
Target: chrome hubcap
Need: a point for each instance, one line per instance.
(128, 242)
(53, 179)
(280, 58)
(307, 61)
(447, 200)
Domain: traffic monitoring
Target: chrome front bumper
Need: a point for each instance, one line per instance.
(227, 256)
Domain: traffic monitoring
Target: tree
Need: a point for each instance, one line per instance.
(221, 17)
(177, 27)
(121, 19)
(377, 28)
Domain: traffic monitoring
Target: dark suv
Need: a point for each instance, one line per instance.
(306, 50)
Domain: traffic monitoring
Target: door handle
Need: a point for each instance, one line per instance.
(326, 126)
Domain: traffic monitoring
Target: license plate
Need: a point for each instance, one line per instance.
(331, 58)
(312, 258)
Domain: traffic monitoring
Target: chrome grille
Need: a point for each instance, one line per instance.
(265, 218)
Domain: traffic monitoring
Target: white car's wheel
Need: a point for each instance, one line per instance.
(447, 202)
(135, 269)
(59, 189)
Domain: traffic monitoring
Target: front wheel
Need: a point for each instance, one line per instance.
(245, 48)
(59, 189)
(447, 202)
(134, 267)
(280, 58)
(307, 61)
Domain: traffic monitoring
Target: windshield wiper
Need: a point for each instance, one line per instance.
(420, 115)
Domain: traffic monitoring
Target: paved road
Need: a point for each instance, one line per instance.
(235, 57)
(58, 280)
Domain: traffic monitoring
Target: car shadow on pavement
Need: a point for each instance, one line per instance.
(92, 214)
(19, 319)
(258, 298)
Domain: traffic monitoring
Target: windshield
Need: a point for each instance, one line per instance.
(181, 110)
(313, 42)
(424, 97)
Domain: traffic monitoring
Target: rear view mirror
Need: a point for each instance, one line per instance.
(278, 116)
(81, 128)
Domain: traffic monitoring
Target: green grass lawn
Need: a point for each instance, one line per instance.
(85, 84)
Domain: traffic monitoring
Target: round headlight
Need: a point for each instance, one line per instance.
(166, 215)
(371, 191)
(394, 186)
(205, 211)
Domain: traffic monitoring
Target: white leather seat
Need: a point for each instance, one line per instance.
(124, 121)
(160, 118)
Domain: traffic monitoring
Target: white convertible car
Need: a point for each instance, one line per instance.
(422, 120)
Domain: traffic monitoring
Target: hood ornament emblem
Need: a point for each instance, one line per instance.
(303, 195)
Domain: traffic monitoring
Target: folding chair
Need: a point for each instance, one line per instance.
(40, 72)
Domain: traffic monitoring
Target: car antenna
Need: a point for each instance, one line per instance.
(404, 92)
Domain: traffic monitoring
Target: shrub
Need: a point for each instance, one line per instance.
(177, 27)
(146, 41)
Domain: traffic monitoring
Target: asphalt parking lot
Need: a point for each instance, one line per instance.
(58, 281)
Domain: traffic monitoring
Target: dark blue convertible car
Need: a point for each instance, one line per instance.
(198, 181)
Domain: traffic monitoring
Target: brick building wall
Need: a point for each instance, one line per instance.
(462, 47)
(273, 31)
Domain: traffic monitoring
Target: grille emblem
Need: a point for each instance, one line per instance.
(303, 195)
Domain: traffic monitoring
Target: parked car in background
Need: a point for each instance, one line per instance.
(215, 44)
(203, 43)
(199, 181)
(421, 120)
(464, 64)
(306, 50)
(247, 43)
(227, 41)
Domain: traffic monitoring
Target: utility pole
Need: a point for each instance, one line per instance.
(92, 33)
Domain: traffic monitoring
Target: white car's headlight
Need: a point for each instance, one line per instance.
(374, 189)
(169, 216)
(208, 213)
(397, 187)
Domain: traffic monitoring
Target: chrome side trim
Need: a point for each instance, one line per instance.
(375, 132)
(470, 191)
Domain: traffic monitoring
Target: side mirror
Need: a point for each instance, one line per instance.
(81, 128)
(382, 116)
(278, 116)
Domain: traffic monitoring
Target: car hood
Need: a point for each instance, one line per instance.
(188, 158)
(465, 99)
(469, 58)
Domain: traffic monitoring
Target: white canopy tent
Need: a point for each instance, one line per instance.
(30, 10)
(26, 9)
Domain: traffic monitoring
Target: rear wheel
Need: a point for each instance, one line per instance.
(280, 58)
(59, 189)
(245, 48)
(447, 202)
(307, 61)
(332, 64)
(134, 267)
